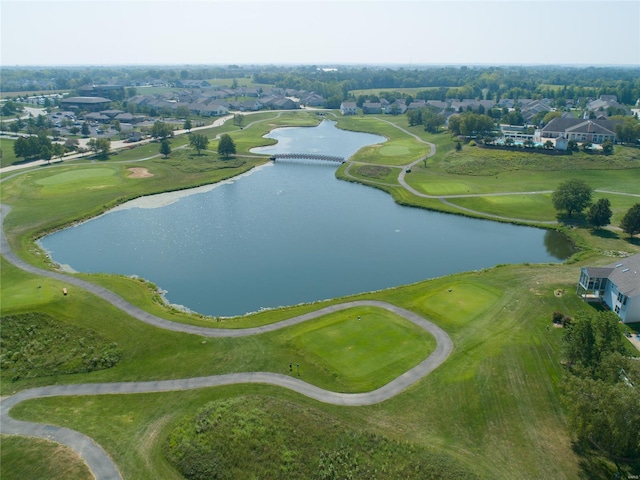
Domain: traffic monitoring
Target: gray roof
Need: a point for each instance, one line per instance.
(624, 273)
(87, 100)
(578, 125)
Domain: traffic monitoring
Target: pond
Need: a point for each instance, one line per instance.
(289, 233)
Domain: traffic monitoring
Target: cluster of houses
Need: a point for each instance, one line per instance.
(199, 97)
(594, 127)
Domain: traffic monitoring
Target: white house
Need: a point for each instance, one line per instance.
(617, 285)
(348, 108)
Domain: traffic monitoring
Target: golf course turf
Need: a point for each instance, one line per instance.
(492, 407)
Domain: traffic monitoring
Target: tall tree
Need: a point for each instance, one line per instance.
(187, 125)
(573, 196)
(165, 149)
(631, 221)
(226, 146)
(161, 130)
(198, 141)
(599, 214)
(85, 129)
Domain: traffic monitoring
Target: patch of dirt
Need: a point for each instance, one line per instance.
(138, 172)
(558, 293)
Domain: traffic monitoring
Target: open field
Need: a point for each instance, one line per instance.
(492, 409)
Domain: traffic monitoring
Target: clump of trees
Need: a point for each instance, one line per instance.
(100, 146)
(469, 123)
(601, 388)
(161, 130)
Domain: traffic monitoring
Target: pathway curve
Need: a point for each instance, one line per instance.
(99, 461)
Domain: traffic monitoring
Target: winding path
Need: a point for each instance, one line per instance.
(99, 461)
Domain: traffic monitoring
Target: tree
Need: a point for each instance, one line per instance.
(161, 130)
(21, 147)
(165, 149)
(631, 221)
(226, 146)
(599, 214)
(100, 146)
(86, 131)
(187, 125)
(548, 145)
(238, 120)
(607, 147)
(601, 414)
(58, 150)
(573, 196)
(198, 141)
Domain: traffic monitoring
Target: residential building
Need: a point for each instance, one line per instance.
(617, 285)
(371, 108)
(348, 108)
(580, 130)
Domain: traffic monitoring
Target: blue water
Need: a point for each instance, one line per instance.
(288, 233)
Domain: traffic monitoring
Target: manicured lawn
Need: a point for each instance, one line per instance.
(399, 149)
(529, 207)
(8, 156)
(493, 404)
(366, 347)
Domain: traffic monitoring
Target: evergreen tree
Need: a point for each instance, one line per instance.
(165, 149)
(226, 146)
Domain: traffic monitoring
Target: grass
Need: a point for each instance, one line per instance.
(492, 408)
(166, 355)
(8, 155)
(25, 458)
(502, 377)
(36, 345)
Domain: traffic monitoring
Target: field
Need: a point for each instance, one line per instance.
(492, 409)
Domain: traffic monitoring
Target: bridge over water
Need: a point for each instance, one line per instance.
(307, 156)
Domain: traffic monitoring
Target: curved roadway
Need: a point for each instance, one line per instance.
(98, 460)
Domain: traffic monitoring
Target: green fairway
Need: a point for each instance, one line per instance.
(366, 347)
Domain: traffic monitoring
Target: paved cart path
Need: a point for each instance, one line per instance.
(99, 461)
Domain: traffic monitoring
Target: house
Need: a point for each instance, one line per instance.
(192, 84)
(396, 108)
(617, 285)
(580, 130)
(348, 108)
(371, 108)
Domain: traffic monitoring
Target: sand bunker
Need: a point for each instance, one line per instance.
(139, 173)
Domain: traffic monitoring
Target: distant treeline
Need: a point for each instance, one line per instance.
(440, 83)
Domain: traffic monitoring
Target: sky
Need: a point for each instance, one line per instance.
(319, 32)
